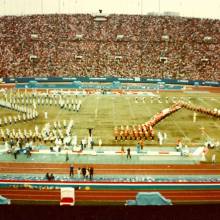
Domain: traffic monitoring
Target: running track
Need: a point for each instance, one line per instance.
(117, 196)
(112, 169)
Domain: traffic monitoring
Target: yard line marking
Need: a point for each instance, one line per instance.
(96, 109)
(150, 114)
(131, 111)
(113, 111)
(207, 104)
(181, 130)
(58, 115)
(96, 112)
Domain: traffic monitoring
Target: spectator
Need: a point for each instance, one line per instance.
(213, 158)
(67, 156)
(79, 172)
(128, 153)
(91, 173)
(71, 170)
(51, 177)
(47, 176)
(84, 172)
(87, 173)
(176, 47)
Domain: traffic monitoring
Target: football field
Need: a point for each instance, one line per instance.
(103, 112)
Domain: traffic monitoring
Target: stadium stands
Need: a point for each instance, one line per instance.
(119, 45)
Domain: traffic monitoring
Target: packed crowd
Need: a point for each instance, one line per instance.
(122, 46)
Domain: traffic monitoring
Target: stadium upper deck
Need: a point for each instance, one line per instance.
(122, 46)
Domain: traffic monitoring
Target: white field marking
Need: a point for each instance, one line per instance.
(60, 110)
(58, 115)
(216, 100)
(82, 99)
(210, 98)
(113, 111)
(181, 130)
(202, 124)
(149, 112)
(96, 112)
(96, 109)
(213, 99)
(131, 111)
(206, 103)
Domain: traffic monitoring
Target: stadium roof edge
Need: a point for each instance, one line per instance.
(113, 14)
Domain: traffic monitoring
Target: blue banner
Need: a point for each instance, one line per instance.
(110, 80)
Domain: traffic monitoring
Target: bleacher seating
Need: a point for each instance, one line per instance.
(120, 45)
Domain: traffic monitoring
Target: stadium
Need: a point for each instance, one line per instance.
(109, 108)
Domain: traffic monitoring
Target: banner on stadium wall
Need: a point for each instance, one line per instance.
(211, 83)
(110, 80)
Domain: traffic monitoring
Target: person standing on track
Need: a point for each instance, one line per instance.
(14, 151)
(213, 158)
(67, 156)
(83, 172)
(91, 172)
(79, 172)
(128, 153)
(47, 176)
(87, 173)
(71, 170)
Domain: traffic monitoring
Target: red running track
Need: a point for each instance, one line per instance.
(129, 169)
(118, 196)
